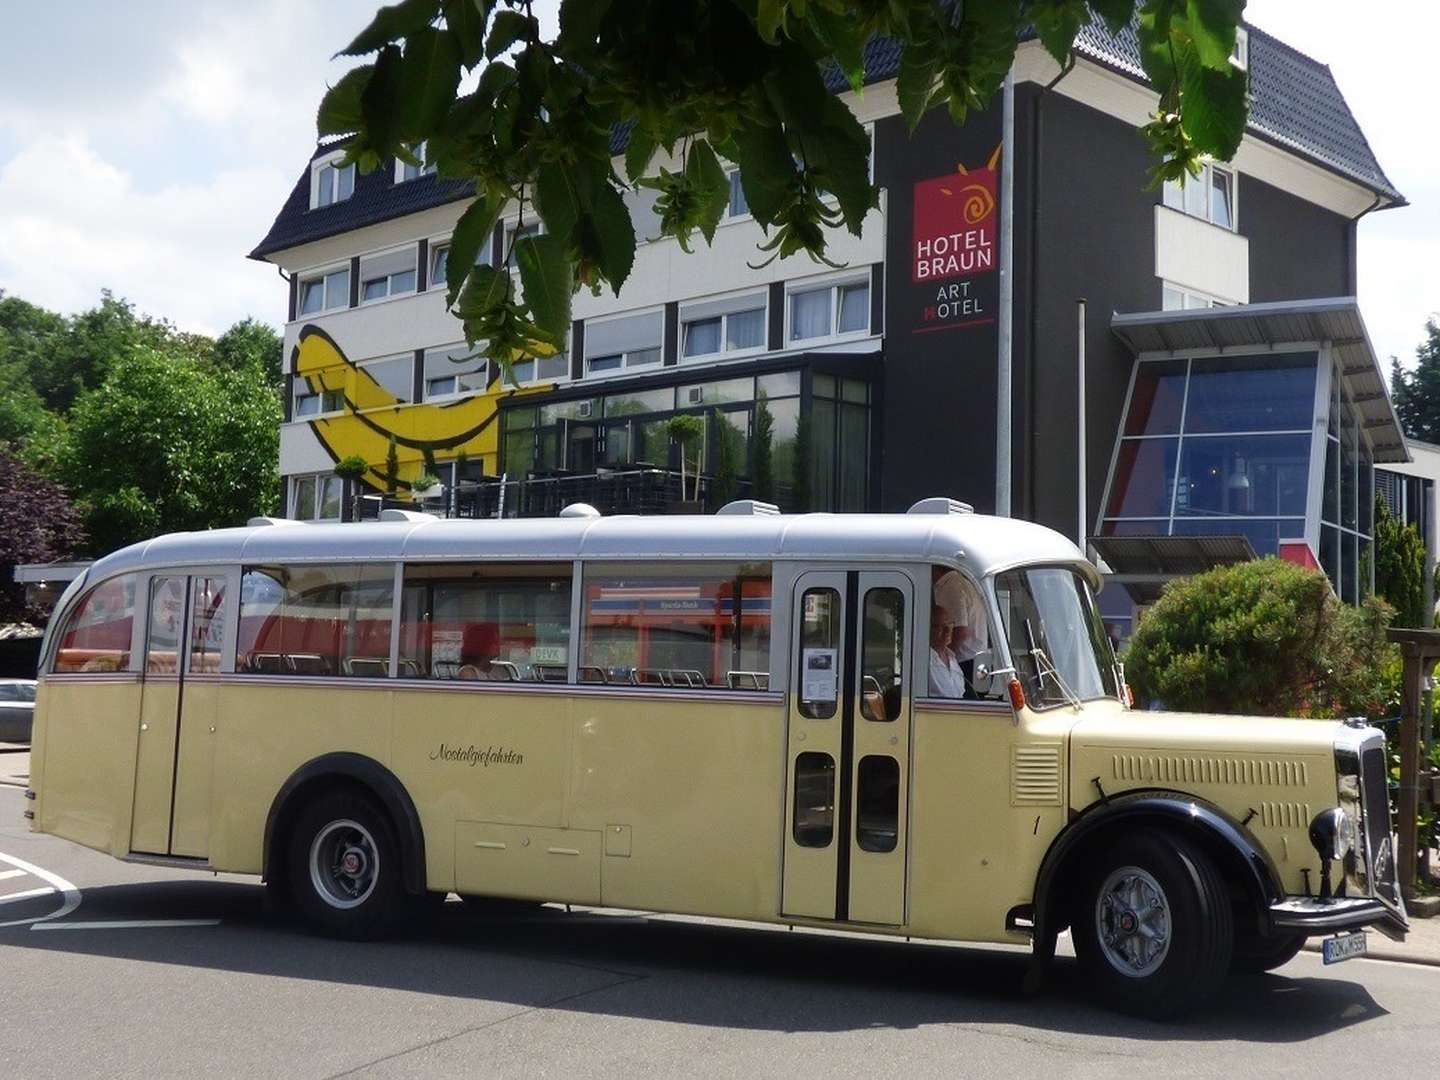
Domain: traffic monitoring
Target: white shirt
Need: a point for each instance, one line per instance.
(946, 678)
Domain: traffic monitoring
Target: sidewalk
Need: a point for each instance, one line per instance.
(14, 764)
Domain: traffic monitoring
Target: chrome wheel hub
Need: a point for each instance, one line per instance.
(1132, 922)
(344, 864)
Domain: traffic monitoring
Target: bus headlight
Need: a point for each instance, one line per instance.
(1331, 834)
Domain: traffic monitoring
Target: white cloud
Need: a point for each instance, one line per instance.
(73, 224)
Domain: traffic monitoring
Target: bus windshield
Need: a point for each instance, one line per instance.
(1057, 639)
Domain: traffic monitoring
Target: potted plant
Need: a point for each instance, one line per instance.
(425, 486)
(351, 470)
(686, 430)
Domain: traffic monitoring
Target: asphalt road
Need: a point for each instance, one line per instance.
(544, 992)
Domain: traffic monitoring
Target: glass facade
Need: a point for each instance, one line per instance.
(795, 438)
(1224, 445)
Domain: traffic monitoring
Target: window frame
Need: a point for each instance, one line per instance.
(426, 380)
(427, 167)
(408, 397)
(320, 275)
(722, 353)
(625, 365)
(292, 494)
(330, 161)
(1172, 190)
(390, 294)
(834, 285)
(304, 393)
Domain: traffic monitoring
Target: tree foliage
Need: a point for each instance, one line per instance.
(745, 80)
(37, 525)
(1266, 637)
(251, 343)
(1399, 565)
(169, 443)
(1417, 393)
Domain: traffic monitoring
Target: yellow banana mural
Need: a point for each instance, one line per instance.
(373, 415)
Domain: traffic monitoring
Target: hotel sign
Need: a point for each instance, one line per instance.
(953, 249)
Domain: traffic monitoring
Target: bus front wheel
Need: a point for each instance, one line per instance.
(1153, 927)
(345, 866)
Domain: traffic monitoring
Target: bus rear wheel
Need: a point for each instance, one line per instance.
(1153, 928)
(345, 866)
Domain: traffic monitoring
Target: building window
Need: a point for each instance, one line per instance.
(631, 341)
(1240, 54)
(1209, 196)
(719, 326)
(830, 311)
(324, 292)
(331, 182)
(458, 369)
(317, 402)
(1179, 298)
(384, 382)
(440, 265)
(405, 171)
(382, 276)
(541, 368)
(1216, 446)
(316, 497)
(738, 207)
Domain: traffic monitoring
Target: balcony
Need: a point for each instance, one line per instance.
(638, 489)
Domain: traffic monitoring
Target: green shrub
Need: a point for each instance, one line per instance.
(1266, 637)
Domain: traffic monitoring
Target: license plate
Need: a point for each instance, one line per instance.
(1344, 947)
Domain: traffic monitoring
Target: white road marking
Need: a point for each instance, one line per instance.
(45, 890)
(70, 894)
(11, 873)
(124, 924)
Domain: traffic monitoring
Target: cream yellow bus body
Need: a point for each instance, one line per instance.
(823, 783)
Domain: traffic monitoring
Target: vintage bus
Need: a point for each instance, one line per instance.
(908, 724)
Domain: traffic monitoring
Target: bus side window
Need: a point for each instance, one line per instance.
(819, 674)
(97, 635)
(314, 620)
(691, 626)
(486, 622)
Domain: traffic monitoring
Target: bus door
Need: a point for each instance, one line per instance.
(847, 783)
(184, 628)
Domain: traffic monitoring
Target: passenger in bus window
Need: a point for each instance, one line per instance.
(946, 678)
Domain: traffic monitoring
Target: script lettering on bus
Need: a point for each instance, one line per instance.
(473, 755)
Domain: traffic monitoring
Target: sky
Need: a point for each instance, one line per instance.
(146, 147)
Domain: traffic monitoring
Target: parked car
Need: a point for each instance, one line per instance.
(17, 709)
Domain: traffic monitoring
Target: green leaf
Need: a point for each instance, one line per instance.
(638, 152)
(466, 20)
(839, 35)
(558, 200)
(548, 277)
(1116, 13)
(1214, 105)
(428, 78)
(1212, 26)
(709, 184)
(391, 24)
(487, 292)
(915, 83)
(507, 28)
(580, 25)
(615, 232)
(381, 105)
(770, 18)
(339, 112)
(472, 232)
(840, 151)
(1057, 22)
(1156, 55)
(766, 169)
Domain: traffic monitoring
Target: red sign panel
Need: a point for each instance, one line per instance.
(953, 244)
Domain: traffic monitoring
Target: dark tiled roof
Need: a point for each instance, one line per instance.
(1295, 103)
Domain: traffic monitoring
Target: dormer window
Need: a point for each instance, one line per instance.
(331, 182)
(405, 171)
(1240, 55)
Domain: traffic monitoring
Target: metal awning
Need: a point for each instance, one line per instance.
(1242, 328)
(1143, 564)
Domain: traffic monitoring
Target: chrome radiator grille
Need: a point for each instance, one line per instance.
(1379, 844)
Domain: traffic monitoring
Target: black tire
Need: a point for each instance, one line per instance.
(1256, 955)
(1173, 950)
(329, 829)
